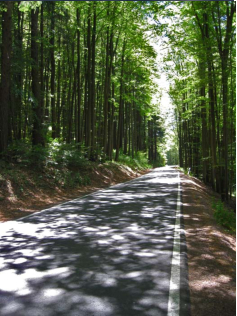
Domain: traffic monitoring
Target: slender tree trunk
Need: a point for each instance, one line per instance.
(224, 48)
(180, 140)
(5, 74)
(106, 92)
(204, 125)
(46, 76)
(224, 69)
(93, 90)
(232, 128)
(125, 146)
(89, 109)
(85, 90)
(69, 107)
(42, 58)
(52, 61)
(19, 77)
(120, 123)
(78, 137)
(58, 104)
(37, 133)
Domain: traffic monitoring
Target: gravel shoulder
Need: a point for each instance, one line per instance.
(211, 253)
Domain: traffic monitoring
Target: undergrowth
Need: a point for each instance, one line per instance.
(139, 161)
(58, 164)
(224, 217)
(59, 154)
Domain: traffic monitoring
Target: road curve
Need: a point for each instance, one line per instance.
(117, 252)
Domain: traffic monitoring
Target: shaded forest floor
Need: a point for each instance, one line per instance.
(211, 253)
(211, 249)
(26, 190)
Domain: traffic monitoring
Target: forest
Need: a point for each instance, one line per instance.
(77, 84)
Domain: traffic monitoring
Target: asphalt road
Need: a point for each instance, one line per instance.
(110, 253)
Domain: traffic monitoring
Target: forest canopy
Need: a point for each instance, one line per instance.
(81, 74)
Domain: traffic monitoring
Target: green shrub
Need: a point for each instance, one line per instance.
(74, 158)
(36, 156)
(86, 180)
(224, 217)
(74, 180)
(23, 152)
(17, 150)
(69, 155)
(139, 161)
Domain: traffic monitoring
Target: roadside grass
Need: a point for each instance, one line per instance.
(224, 217)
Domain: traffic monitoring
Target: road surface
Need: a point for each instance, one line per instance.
(117, 252)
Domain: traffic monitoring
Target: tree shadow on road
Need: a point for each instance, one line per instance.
(106, 254)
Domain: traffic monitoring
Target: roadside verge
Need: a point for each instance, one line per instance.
(211, 253)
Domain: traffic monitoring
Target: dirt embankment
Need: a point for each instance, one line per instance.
(211, 253)
(25, 191)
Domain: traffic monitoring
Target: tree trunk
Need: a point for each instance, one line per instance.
(58, 104)
(120, 123)
(42, 57)
(37, 133)
(19, 76)
(78, 136)
(52, 81)
(5, 73)
(106, 92)
(93, 90)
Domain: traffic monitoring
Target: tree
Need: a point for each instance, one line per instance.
(87, 82)
(205, 115)
(5, 73)
(37, 131)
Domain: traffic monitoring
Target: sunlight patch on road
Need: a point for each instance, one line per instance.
(11, 281)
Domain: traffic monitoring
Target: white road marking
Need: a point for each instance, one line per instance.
(174, 294)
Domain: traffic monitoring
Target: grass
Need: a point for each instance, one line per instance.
(224, 217)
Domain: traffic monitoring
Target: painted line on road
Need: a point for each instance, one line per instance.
(174, 293)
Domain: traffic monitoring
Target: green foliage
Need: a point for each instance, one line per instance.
(224, 217)
(56, 153)
(23, 153)
(196, 50)
(159, 162)
(37, 156)
(25, 6)
(172, 156)
(74, 180)
(69, 155)
(140, 161)
(16, 151)
(61, 28)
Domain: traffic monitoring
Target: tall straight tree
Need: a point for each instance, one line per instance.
(224, 40)
(5, 73)
(81, 75)
(210, 45)
(78, 118)
(37, 132)
(52, 61)
(18, 78)
(93, 90)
